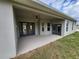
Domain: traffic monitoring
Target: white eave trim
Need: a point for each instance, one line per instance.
(66, 16)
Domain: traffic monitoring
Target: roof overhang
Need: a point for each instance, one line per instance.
(38, 7)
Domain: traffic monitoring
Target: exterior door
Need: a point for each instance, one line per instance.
(27, 28)
(56, 29)
(30, 29)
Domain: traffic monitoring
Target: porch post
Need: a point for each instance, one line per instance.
(38, 26)
(7, 32)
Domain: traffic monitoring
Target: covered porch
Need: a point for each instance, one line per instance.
(32, 23)
(35, 29)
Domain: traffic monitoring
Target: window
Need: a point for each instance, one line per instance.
(30, 27)
(24, 28)
(42, 26)
(48, 27)
(72, 25)
(67, 24)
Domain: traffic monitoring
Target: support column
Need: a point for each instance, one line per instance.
(39, 27)
(7, 31)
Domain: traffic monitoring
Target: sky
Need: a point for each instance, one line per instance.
(69, 7)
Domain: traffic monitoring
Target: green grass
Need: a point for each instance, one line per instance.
(65, 48)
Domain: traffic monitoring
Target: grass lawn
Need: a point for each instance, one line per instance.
(65, 48)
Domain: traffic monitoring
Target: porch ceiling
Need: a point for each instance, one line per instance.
(27, 14)
(35, 6)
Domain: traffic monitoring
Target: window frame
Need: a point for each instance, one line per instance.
(67, 25)
(72, 25)
(42, 27)
(48, 26)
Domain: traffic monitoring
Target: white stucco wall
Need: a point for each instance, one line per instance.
(69, 27)
(7, 33)
(45, 22)
(63, 28)
(45, 32)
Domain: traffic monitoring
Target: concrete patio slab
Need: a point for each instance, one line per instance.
(28, 43)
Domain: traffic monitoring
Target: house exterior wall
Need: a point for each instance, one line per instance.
(69, 27)
(7, 32)
(38, 28)
(45, 32)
